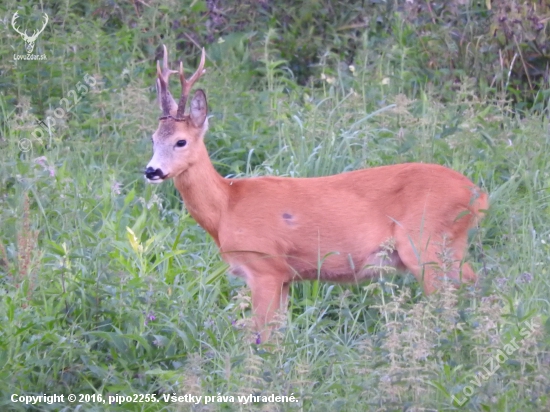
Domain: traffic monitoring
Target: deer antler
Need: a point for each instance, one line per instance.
(26, 37)
(186, 85)
(163, 76)
(13, 21)
(37, 32)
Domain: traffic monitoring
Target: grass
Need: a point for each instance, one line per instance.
(108, 286)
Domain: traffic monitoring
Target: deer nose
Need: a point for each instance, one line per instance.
(153, 174)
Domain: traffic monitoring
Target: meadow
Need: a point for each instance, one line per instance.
(109, 288)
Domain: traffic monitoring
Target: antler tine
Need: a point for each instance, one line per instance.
(186, 85)
(163, 76)
(14, 21)
(46, 19)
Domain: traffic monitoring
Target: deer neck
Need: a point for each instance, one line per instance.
(204, 193)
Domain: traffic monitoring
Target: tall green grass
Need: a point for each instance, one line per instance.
(109, 287)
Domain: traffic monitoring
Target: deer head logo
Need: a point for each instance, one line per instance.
(29, 40)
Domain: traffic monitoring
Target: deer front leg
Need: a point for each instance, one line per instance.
(269, 294)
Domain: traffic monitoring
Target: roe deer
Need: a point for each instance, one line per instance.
(276, 230)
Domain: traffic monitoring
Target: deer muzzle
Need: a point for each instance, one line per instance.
(154, 175)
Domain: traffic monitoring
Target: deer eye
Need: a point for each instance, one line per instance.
(181, 143)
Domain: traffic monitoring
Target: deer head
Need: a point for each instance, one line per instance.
(29, 40)
(178, 138)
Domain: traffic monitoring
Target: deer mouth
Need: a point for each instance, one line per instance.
(155, 175)
(155, 180)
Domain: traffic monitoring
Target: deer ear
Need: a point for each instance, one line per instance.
(199, 108)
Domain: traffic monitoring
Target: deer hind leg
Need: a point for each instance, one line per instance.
(431, 260)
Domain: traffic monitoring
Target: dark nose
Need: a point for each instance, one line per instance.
(152, 174)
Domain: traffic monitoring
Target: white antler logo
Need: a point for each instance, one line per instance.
(29, 40)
